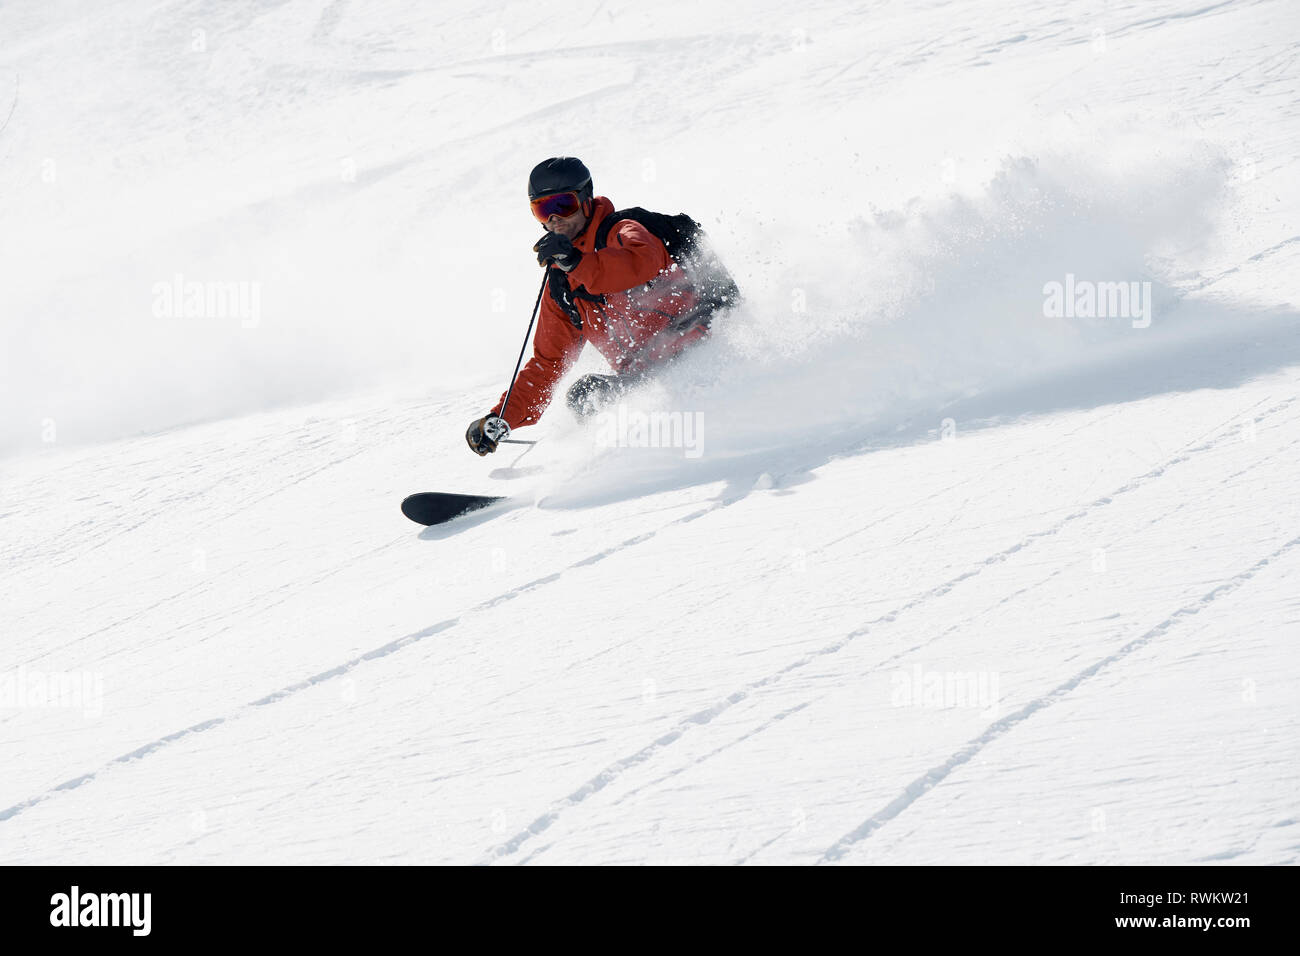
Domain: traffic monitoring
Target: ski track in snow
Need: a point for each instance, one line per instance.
(956, 627)
(340, 669)
(931, 778)
(699, 718)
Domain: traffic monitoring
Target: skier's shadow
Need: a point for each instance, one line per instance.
(1225, 348)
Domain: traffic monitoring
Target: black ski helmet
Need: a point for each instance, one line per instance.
(560, 174)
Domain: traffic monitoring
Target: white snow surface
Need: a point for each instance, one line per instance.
(947, 579)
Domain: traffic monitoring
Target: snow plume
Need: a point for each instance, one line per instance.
(1058, 262)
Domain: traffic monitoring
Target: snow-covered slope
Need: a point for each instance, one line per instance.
(946, 577)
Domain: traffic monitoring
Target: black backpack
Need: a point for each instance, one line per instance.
(685, 241)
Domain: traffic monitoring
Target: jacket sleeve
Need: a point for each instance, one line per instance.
(555, 349)
(632, 256)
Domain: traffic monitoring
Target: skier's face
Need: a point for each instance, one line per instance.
(569, 227)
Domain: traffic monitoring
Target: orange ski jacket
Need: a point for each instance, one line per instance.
(644, 291)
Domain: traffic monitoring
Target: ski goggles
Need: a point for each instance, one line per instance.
(563, 205)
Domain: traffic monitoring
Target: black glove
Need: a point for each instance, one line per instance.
(555, 248)
(484, 434)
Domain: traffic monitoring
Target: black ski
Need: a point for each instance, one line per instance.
(436, 507)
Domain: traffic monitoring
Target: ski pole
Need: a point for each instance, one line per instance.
(537, 305)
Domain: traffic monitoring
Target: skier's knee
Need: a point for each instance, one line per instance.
(589, 394)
